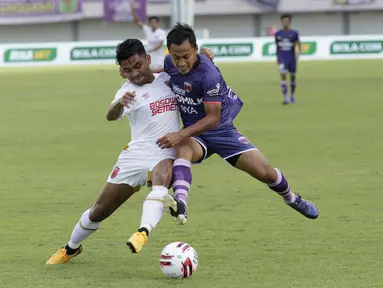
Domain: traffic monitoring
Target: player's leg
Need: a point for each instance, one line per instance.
(293, 85)
(283, 71)
(152, 210)
(192, 150)
(111, 197)
(255, 164)
(242, 154)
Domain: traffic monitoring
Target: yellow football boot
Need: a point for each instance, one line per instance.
(60, 257)
(137, 241)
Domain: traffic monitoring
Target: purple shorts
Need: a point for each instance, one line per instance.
(287, 66)
(226, 144)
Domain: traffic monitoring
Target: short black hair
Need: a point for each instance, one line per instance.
(154, 18)
(286, 16)
(129, 48)
(180, 33)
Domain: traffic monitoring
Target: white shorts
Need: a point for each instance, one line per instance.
(134, 167)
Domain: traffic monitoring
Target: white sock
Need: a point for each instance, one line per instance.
(153, 208)
(82, 230)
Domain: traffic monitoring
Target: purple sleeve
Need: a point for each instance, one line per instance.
(212, 87)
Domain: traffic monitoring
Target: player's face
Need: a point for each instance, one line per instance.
(184, 56)
(153, 23)
(286, 23)
(137, 69)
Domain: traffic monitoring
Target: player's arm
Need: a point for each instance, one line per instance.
(212, 103)
(210, 121)
(159, 70)
(158, 47)
(208, 53)
(276, 44)
(162, 37)
(137, 20)
(115, 111)
(120, 106)
(298, 43)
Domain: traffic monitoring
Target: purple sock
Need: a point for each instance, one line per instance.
(292, 88)
(282, 188)
(284, 90)
(182, 179)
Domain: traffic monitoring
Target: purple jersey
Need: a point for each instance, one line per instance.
(285, 42)
(202, 85)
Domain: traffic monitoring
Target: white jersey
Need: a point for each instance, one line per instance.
(154, 38)
(153, 114)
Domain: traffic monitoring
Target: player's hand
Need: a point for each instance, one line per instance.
(297, 54)
(170, 140)
(208, 53)
(128, 99)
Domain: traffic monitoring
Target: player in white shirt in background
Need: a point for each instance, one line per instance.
(149, 103)
(155, 37)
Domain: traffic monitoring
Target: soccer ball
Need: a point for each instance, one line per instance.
(178, 260)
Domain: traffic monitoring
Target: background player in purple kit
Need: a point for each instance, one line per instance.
(205, 108)
(286, 40)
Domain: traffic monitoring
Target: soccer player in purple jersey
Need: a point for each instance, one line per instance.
(205, 108)
(286, 40)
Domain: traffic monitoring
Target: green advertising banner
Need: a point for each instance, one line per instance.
(356, 47)
(30, 55)
(308, 48)
(93, 53)
(230, 49)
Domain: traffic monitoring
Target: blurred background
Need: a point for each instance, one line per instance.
(91, 20)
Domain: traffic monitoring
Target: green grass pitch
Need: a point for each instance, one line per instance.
(57, 149)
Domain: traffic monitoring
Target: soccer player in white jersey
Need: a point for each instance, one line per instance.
(155, 37)
(151, 108)
(148, 102)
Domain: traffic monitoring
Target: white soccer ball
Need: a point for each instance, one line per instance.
(178, 260)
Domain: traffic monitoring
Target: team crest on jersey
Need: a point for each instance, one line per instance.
(187, 87)
(115, 172)
(146, 96)
(243, 140)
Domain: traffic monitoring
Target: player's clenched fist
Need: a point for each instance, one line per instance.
(128, 99)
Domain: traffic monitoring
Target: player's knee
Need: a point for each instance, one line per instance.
(184, 150)
(162, 178)
(99, 213)
(267, 174)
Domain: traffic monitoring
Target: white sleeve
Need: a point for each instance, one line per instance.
(121, 92)
(146, 30)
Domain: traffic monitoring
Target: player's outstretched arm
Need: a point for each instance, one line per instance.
(116, 109)
(137, 20)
